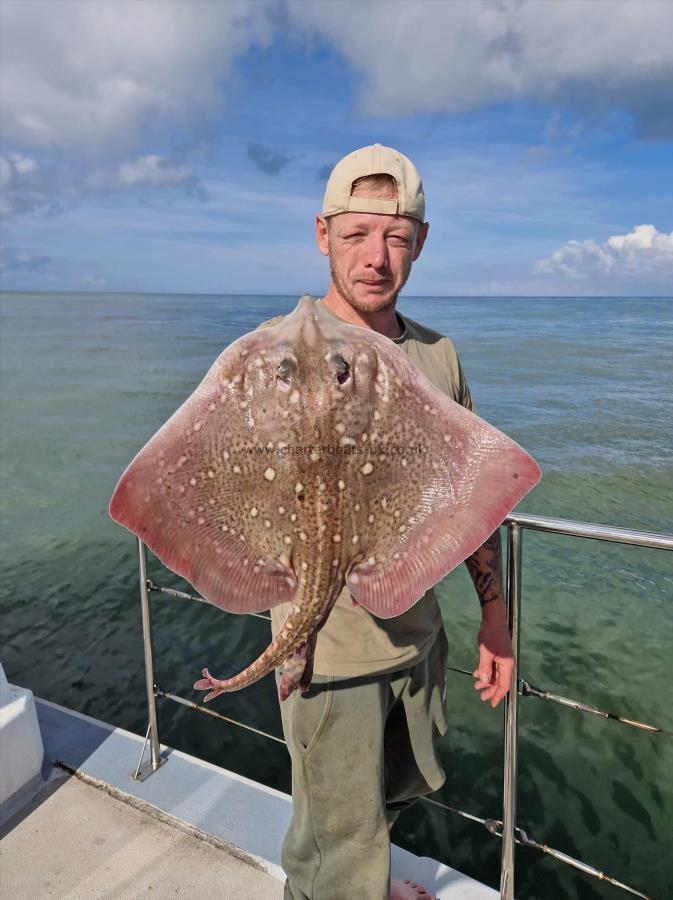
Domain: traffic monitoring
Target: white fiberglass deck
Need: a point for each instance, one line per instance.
(191, 829)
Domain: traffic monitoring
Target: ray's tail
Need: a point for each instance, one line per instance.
(303, 619)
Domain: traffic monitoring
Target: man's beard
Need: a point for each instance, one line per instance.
(377, 302)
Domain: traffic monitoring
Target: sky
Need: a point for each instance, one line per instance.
(183, 147)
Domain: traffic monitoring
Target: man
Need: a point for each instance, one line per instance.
(362, 739)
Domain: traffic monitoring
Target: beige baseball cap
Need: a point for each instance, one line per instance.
(375, 160)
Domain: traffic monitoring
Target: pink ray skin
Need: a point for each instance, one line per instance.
(251, 529)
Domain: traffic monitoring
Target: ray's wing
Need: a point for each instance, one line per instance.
(205, 492)
(439, 483)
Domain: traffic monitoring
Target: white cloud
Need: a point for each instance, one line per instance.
(150, 171)
(454, 56)
(94, 76)
(643, 254)
(26, 187)
(22, 187)
(17, 260)
(99, 76)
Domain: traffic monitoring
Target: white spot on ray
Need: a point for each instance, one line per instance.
(341, 484)
(237, 470)
(336, 538)
(253, 511)
(370, 518)
(377, 415)
(267, 523)
(281, 510)
(340, 427)
(197, 426)
(211, 474)
(298, 488)
(371, 561)
(345, 440)
(287, 539)
(367, 468)
(270, 474)
(304, 566)
(355, 538)
(192, 481)
(294, 396)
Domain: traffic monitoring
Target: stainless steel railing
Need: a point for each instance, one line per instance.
(506, 828)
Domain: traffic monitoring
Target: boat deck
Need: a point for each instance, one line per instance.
(189, 829)
(75, 840)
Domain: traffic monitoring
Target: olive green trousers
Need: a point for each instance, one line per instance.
(362, 749)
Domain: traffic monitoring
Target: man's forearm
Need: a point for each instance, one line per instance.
(485, 568)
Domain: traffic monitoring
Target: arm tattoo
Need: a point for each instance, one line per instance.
(485, 568)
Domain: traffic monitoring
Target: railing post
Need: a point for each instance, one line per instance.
(152, 729)
(513, 604)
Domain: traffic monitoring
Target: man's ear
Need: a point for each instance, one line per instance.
(420, 240)
(322, 234)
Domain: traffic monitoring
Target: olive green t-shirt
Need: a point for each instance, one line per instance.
(353, 641)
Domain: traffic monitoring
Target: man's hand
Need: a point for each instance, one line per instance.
(496, 660)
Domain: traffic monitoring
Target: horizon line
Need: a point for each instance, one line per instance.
(402, 297)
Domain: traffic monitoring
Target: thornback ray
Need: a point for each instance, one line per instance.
(313, 454)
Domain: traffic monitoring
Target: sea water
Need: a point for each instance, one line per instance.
(584, 385)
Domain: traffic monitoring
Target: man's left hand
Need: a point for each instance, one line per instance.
(496, 660)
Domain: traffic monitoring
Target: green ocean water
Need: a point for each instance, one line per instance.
(586, 386)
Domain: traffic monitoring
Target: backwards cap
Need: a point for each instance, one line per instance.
(375, 160)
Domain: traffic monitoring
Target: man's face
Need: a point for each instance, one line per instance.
(370, 255)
